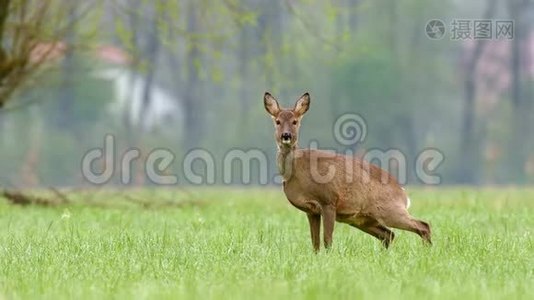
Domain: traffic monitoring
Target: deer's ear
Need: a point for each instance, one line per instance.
(302, 105)
(271, 105)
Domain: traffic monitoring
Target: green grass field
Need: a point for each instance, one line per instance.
(252, 243)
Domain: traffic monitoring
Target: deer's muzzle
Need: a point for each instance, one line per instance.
(286, 138)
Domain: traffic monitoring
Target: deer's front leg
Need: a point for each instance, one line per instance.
(315, 229)
(329, 219)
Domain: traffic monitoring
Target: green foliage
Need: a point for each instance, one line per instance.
(371, 84)
(371, 81)
(367, 57)
(88, 95)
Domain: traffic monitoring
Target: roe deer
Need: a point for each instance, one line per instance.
(356, 194)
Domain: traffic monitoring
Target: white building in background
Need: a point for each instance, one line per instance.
(164, 110)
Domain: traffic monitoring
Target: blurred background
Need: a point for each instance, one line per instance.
(187, 74)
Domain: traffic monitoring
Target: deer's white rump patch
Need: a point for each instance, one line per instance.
(408, 201)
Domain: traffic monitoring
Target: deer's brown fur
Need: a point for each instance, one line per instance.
(335, 187)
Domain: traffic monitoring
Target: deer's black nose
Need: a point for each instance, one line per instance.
(286, 136)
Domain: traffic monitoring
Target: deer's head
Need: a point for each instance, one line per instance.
(286, 121)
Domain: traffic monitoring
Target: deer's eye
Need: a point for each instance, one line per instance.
(277, 122)
(295, 122)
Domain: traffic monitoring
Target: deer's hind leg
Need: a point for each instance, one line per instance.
(406, 222)
(374, 228)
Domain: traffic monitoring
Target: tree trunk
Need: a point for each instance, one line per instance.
(66, 91)
(470, 142)
(467, 156)
(127, 111)
(4, 59)
(192, 103)
(2, 125)
(246, 42)
(151, 57)
(353, 16)
(4, 11)
(517, 152)
(270, 33)
(393, 17)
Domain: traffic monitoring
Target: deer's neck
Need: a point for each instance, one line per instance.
(285, 159)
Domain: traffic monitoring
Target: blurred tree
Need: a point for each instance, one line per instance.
(217, 57)
(30, 34)
(130, 40)
(469, 158)
(66, 91)
(31, 39)
(518, 147)
(193, 103)
(151, 54)
(247, 42)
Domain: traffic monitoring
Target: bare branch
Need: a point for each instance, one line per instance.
(4, 10)
(32, 32)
